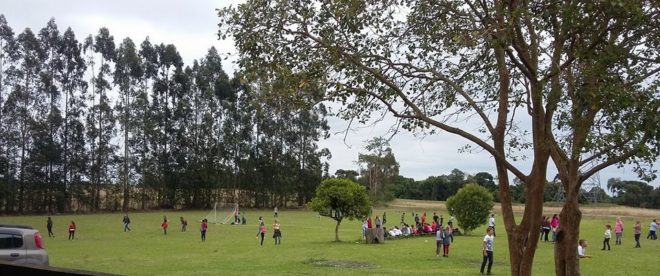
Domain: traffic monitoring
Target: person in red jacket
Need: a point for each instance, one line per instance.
(370, 223)
(164, 225)
(72, 230)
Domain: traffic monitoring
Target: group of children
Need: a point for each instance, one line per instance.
(618, 233)
(71, 229)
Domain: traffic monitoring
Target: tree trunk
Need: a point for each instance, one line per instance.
(337, 231)
(568, 234)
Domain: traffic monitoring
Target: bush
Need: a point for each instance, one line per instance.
(472, 204)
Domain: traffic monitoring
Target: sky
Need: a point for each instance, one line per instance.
(192, 27)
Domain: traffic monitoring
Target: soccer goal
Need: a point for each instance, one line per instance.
(222, 213)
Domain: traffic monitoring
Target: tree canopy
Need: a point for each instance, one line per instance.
(569, 82)
(340, 198)
(472, 204)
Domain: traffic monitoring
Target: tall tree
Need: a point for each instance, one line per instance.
(8, 58)
(380, 168)
(430, 62)
(127, 75)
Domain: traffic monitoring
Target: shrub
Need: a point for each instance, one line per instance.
(472, 204)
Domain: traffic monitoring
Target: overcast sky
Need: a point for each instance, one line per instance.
(192, 27)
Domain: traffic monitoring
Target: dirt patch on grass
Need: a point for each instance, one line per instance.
(340, 263)
(589, 211)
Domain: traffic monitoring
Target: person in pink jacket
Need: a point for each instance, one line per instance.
(618, 230)
(554, 225)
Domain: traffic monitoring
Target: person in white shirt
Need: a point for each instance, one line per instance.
(653, 227)
(491, 223)
(488, 250)
(582, 246)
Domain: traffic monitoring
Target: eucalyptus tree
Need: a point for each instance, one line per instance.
(48, 147)
(7, 60)
(73, 143)
(379, 168)
(127, 76)
(100, 119)
(555, 80)
(21, 106)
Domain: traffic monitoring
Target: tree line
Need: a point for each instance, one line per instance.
(100, 125)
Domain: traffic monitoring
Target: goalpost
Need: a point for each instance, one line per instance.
(222, 213)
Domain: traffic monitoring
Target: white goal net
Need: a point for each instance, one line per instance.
(223, 213)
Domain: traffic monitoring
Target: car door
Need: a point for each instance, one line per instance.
(11, 247)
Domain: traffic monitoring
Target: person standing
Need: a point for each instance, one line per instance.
(275, 211)
(446, 240)
(545, 226)
(403, 215)
(203, 228)
(127, 222)
(438, 242)
(164, 225)
(262, 231)
(184, 224)
(365, 226)
(491, 223)
(618, 230)
(72, 230)
(378, 222)
(653, 227)
(49, 226)
(554, 225)
(638, 232)
(607, 236)
(277, 235)
(488, 250)
(435, 217)
(384, 218)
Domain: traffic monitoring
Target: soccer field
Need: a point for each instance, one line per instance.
(307, 247)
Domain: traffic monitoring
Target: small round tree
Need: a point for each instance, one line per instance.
(340, 198)
(472, 205)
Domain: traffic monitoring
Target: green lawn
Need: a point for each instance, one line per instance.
(101, 245)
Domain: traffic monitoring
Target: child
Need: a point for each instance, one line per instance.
(608, 235)
(277, 235)
(446, 241)
(618, 230)
(638, 233)
(203, 228)
(184, 224)
(582, 246)
(488, 250)
(164, 225)
(127, 222)
(438, 242)
(49, 226)
(262, 231)
(72, 230)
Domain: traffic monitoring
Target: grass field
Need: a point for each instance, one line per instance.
(101, 245)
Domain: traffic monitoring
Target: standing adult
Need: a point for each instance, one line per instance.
(275, 210)
(653, 227)
(378, 222)
(384, 218)
(618, 230)
(446, 240)
(435, 217)
(545, 227)
(638, 232)
(127, 222)
(365, 226)
(203, 228)
(72, 230)
(370, 223)
(277, 234)
(491, 223)
(488, 250)
(49, 226)
(554, 225)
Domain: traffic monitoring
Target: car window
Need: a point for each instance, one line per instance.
(10, 241)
